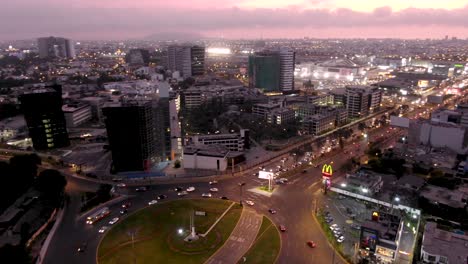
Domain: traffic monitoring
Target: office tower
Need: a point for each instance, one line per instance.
(43, 113)
(264, 71)
(53, 47)
(189, 60)
(272, 70)
(130, 130)
(362, 100)
(287, 62)
(137, 56)
(162, 130)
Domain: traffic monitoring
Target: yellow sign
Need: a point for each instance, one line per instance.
(327, 170)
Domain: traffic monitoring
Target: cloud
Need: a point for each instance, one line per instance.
(33, 21)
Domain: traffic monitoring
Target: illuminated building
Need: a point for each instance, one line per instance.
(381, 236)
(43, 113)
(362, 100)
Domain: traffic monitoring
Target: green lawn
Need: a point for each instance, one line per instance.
(267, 244)
(157, 239)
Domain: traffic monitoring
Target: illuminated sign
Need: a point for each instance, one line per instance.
(327, 170)
(265, 175)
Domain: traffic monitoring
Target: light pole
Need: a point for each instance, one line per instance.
(132, 233)
(240, 190)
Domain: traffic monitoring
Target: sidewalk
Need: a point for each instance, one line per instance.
(240, 240)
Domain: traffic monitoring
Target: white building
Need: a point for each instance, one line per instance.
(189, 60)
(206, 158)
(287, 63)
(444, 247)
(76, 114)
(438, 135)
(11, 127)
(234, 142)
(281, 116)
(262, 110)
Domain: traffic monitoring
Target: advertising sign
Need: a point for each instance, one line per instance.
(265, 175)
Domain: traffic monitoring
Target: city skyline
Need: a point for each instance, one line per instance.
(122, 19)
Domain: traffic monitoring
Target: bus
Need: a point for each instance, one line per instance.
(97, 216)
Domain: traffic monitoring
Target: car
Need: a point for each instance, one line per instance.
(338, 235)
(103, 229)
(213, 182)
(311, 244)
(123, 211)
(206, 195)
(152, 202)
(141, 189)
(340, 239)
(182, 193)
(224, 198)
(178, 189)
(356, 226)
(333, 227)
(329, 220)
(162, 197)
(272, 211)
(113, 221)
(190, 189)
(126, 205)
(213, 189)
(282, 228)
(121, 185)
(284, 180)
(82, 247)
(251, 203)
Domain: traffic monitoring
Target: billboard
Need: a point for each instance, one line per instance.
(265, 175)
(399, 121)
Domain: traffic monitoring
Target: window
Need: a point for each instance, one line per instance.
(431, 258)
(443, 259)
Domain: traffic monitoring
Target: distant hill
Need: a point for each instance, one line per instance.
(181, 36)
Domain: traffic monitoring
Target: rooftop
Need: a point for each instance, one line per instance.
(444, 243)
(436, 194)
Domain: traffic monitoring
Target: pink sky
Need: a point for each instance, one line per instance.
(122, 19)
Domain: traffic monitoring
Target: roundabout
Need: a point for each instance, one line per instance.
(157, 234)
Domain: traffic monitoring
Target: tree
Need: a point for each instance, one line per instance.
(14, 255)
(177, 164)
(51, 183)
(361, 126)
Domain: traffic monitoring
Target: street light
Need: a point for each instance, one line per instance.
(343, 185)
(364, 190)
(180, 231)
(397, 199)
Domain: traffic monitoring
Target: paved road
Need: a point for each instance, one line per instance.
(242, 237)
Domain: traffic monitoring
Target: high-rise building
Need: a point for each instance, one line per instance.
(287, 62)
(362, 100)
(264, 71)
(189, 60)
(137, 56)
(130, 130)
(53, 47)
(162, 129)
(43, 113)
(272, 70)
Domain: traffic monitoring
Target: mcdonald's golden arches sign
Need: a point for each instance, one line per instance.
(327, 170)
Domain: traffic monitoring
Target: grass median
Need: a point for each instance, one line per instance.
(267, 245)
(157, 238)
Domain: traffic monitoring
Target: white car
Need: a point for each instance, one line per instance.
(190, 189)
(340, 239)
(121, 185)
(113, 221)
(332, 227)
(213, 189)
(103, 229)
(213, 182)
(152, 202)
(249, 202)
(182, 193)
(206, 195)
